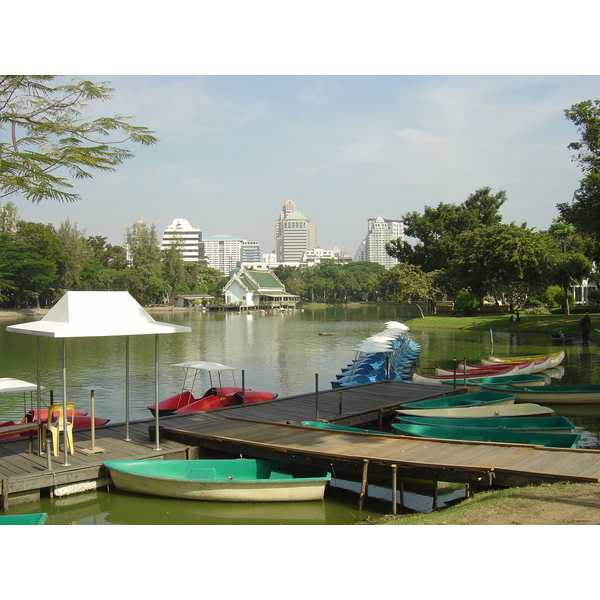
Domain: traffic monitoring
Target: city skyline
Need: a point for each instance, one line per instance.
(344, 148)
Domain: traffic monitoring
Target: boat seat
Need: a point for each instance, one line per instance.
(280, 475)
(203, 473)
(55, 423)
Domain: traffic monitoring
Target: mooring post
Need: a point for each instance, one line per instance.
(394, 484)
(402, 494)
(364, 486)
(4, 494)
(454, 371)
(340, 407)
(243, 388)
(317, 396)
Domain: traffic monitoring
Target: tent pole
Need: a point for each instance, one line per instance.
(156, 412)
(64, 385)
(127, 438)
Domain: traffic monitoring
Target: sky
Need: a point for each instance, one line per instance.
(344, 141)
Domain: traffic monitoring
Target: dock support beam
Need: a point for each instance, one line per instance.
(394, 484)
(4, 506)
(364, 486)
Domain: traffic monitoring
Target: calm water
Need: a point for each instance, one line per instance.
(278, 352)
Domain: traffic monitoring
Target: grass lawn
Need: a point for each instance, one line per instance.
(528, 323)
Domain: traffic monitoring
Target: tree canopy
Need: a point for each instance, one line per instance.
(584, 210)
(45, 140)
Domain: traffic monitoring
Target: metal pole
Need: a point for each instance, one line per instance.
(243, 388)
(127, 438)
(454, 379)
(39, 393)
(316, 396)
(156, 389)
(64, 384)
(93, 423)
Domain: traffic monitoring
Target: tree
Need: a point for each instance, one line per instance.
(410, 284)
(47, 139)
(503, 259)
(437, 229)
(584, 211)
(568, 270)
(76, 254)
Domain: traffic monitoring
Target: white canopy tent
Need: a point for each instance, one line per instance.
(96, 314)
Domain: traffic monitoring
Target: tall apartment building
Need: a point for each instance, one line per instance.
(294, 234)
(188, 238)
(379, 233)
(226, 252)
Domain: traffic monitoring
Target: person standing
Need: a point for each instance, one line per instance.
(586, 326)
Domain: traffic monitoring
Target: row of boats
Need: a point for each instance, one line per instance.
(386, 356)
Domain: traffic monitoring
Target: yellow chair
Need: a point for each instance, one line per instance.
(55, 423)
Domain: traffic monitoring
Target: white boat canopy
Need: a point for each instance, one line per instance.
(96, 314)
(8, 384)
(203, 365)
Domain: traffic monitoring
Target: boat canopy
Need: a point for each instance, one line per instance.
(8, 384)
(203, 365)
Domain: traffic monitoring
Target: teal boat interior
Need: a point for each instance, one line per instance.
(470, 399)
(553, 440)
(561, 424)
(27, 519)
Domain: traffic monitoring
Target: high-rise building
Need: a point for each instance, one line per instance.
(188, 238)
(226, 252)
(294, 234)
(380, 232)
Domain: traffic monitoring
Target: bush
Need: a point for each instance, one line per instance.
(468, 303)
(536, 310)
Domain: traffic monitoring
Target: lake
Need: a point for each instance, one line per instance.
(278, 352)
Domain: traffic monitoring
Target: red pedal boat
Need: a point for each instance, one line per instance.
(214, 397)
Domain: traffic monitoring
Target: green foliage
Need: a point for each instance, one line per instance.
(584, 211)
(594, 296)
(410, 284)
(468, 303)
(48, 142)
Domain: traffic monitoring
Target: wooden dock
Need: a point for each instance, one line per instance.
(272, 430)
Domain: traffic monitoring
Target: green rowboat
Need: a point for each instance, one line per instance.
(475, 383)
(553, 440)
(220, 480)
(551, 394)
(28, 519)
(472, 399)
(486, 411)
(536, 424)
(334, 427)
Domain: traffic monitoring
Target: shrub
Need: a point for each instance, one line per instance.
(468, 303)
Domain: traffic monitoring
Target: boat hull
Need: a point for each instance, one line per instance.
(28, 519)
(552, 394)
(552, 440)
(440, 379)
(481, 398)
(476, 383)
(222, 480)
(531, 424)
(555, 359)
(492, 410)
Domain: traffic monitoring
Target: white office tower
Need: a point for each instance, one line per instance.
(223, 252)
(380, 232)
(294, 234)
(186, 237)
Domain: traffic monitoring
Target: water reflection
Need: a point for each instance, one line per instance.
(279, 353)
